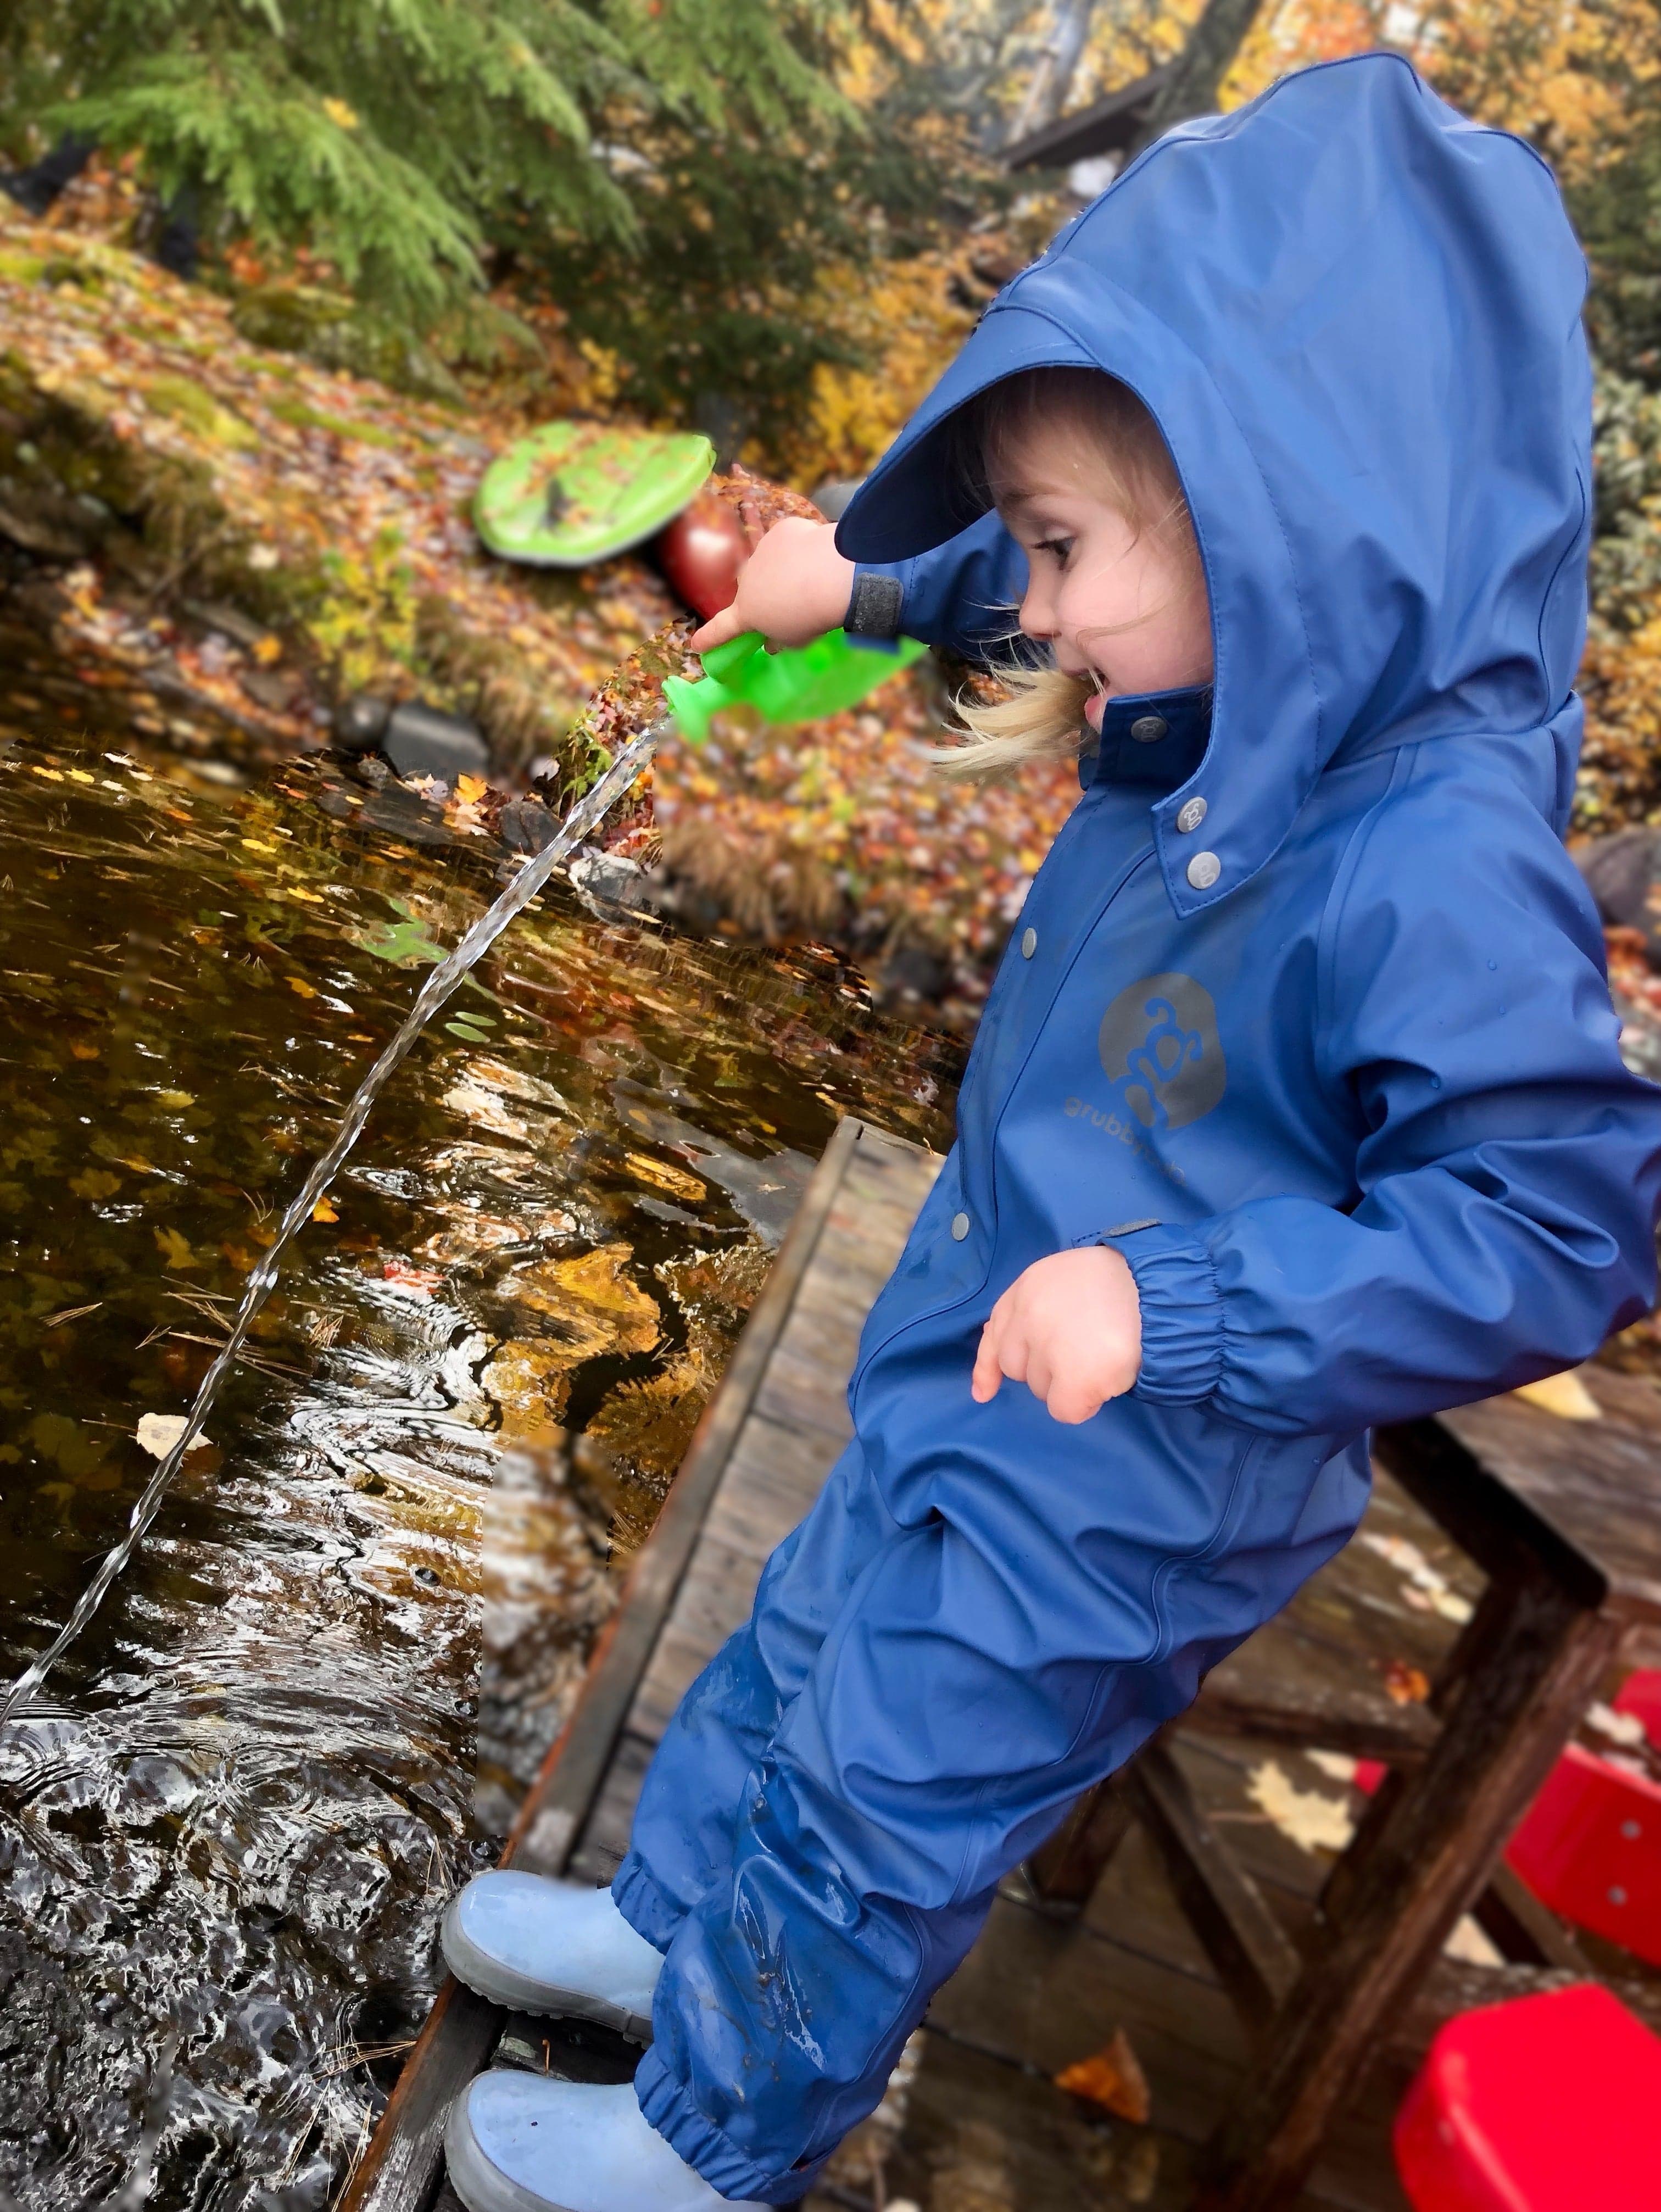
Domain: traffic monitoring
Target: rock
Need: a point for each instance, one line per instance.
(421, 740)
(1619, 872)
(526, 825)
(833, 497)
(336, 334)
(609, 884)
(360, 723)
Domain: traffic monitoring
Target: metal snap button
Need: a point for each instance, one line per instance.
(959, 1227)
(1148, 729)
(1203, 871)
(1190, 816)
(1029, 943)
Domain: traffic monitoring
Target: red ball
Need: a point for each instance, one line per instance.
(701, 551)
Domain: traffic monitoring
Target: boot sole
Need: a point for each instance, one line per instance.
(481, 2185)
(488, 1977)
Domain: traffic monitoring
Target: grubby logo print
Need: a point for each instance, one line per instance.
(1159, 1049)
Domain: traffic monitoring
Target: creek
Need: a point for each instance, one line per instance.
(308, 1707)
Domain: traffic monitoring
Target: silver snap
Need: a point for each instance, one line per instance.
(1617, 1895)
(1631, 1830)
(959, 1227)
(1029, 943)
(1190, 816)
(1148, 729)
(1203, 871)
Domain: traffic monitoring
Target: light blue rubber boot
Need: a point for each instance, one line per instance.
(525, 2142)
(539, 1946)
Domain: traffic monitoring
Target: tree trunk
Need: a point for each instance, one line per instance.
(1191, 87)
(1052, 75)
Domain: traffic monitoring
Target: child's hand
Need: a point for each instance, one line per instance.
(1070, 1327)
(794, 586)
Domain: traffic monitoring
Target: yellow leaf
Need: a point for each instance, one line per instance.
(268, 649)
(1565, 1396)
(324, 1212)
(338, 114)
(470, 789)
(175, 1248)
(300, 988)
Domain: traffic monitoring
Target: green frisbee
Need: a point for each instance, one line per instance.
(577, 492)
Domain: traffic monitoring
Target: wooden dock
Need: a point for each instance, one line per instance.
(981, 2126)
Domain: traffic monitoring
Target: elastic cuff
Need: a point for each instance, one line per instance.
(1182, 1315)
(643, 1904)
(876, 606)
(669, 2109)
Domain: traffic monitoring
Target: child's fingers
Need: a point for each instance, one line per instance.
(716, 631)
(1070, 1401)
(989, 1371)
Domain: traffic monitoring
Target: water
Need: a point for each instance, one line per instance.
(228, 1823)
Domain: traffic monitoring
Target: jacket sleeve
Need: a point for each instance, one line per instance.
(1507, 1183)
(962, 595)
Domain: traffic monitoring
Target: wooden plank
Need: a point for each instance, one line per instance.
(400, 2171)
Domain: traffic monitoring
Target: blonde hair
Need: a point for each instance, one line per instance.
(1131, 467)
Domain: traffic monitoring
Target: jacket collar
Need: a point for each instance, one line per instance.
(1157, 739)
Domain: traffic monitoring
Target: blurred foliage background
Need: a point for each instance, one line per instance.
(777, 219)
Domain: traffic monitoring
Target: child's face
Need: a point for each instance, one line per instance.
(1125, 610)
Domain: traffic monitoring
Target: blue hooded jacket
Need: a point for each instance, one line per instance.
(1359, 1066)
(1305, 1012)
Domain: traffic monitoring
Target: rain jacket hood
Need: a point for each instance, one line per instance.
(1355, 316)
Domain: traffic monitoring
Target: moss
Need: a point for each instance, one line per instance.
(299, 416)
(21, 268)
(185, 401)
(336, 334)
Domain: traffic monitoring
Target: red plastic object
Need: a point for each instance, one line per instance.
(1590, 1847)
(1545, 2104)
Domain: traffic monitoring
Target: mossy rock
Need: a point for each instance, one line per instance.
(193, 406)
(336, 334)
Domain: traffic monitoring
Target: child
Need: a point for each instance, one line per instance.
(1296, 1106)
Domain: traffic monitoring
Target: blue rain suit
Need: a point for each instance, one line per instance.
(1329, 1059)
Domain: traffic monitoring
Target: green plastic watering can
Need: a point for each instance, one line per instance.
(798, 684)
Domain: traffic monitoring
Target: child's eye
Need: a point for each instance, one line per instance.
(1061, 547)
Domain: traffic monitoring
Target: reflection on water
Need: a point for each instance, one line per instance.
(226, 1831)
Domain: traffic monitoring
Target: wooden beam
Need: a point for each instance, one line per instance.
(1426, 1849)
(400, 2171)
(1253, 1954)
(1064, 1871)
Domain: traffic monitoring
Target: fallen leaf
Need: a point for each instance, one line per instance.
(94, 1183)
(157, 1434)
(268, 649)
(175, 1248)
(324, 1212)
(1307, 1819)
(299, 986)
(1111, 2078)
(420, 1282)
(1406, 1684)
(1565, 1395)
(80, 1051)
(470, 789)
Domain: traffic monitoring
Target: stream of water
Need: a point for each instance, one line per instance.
(309, 1703)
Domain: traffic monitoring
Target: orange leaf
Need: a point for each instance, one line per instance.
(1111, 2078)
(324, 1212)
(470, 789)
(1408, 1685)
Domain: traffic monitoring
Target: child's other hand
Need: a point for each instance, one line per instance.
(1070, 1327)
(794, 586)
